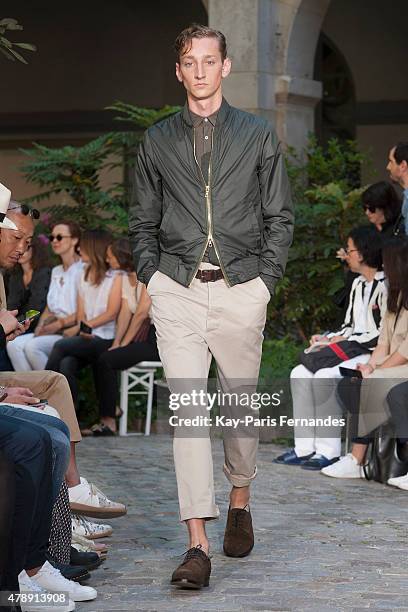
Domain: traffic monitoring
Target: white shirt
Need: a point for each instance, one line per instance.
(95, 299)
(63, 290)
(360, 322)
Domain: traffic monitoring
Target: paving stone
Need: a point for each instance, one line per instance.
(320, 543)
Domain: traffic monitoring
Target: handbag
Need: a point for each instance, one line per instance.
(331, 355)
(382, 460)
(142, 333)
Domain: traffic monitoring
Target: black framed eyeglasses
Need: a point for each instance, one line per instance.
(26, 210)
(348, 251)
(58, 237)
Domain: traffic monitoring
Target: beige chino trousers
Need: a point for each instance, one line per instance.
(193, 325)
(51, 386)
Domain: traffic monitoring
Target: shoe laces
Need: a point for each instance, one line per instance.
(196, 552)
(103, 500)
(239, 516)
(53, 571)
(80, 521)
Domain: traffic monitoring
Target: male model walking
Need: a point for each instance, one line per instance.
(211, 223)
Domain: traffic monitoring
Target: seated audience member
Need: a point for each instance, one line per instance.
(29, 280)
(32, 351)
(135, 338)
(313, 394)
(98, 305)
(397, 400)
(27, 388)
(387, 364)
(28, 447)
(382, 207)
(398, 169)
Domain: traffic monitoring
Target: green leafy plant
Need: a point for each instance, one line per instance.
(7, 47)
(75, 172)
(327, 207)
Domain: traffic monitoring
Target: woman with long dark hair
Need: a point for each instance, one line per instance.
(387, 365)
(382, 206)
(27, 290)
(61, 300)
(98, 305)
(135, 338)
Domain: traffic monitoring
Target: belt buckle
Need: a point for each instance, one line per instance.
(206, 276)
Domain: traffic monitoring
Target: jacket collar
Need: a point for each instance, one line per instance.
(223, 112)
(378, 276)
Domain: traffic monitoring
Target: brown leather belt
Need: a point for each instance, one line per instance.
(209, 276)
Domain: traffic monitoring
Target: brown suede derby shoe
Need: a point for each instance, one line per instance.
(194, 572)
(239, 535)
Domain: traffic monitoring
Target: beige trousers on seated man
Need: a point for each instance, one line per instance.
(192, 325)
(51, 386)
(44, 384)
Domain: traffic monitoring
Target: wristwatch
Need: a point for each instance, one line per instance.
(3, 393)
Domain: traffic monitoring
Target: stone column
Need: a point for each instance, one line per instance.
(272, 45)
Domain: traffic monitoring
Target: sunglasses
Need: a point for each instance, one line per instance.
(26, 210)
(58, 237)
(370, 207)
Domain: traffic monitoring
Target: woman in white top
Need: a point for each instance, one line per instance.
(99, 301)
(32, 350)
(135, 338)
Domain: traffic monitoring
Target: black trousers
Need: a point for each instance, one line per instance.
(110, 363)
(397, 400)
(29, 447)
(349, 395)
(70, 355)
(7, 500)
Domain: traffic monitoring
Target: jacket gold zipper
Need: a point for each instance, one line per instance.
(210, 239)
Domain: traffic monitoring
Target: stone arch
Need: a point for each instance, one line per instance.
(273, 44)
(297, 91)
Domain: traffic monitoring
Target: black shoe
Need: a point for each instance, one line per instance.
(90, 560)
(78, 573)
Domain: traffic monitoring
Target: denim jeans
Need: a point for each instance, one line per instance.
(28, 446)
(59, 434)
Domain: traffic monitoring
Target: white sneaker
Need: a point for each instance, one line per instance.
(89, 530)
(51, 579)
(87, 499)
(345, 467)
(30, 587)
(399, 481)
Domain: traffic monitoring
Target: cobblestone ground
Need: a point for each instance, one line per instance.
(321, 544)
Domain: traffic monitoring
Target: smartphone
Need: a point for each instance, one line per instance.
(86, 329)
(30, 315)
(350, 373)
(42, 402)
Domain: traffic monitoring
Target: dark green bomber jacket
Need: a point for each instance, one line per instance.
(245, 209)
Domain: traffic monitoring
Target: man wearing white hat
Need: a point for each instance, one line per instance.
(9, 326)
(16, 232)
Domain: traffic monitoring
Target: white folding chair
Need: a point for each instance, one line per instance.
(142, 374)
